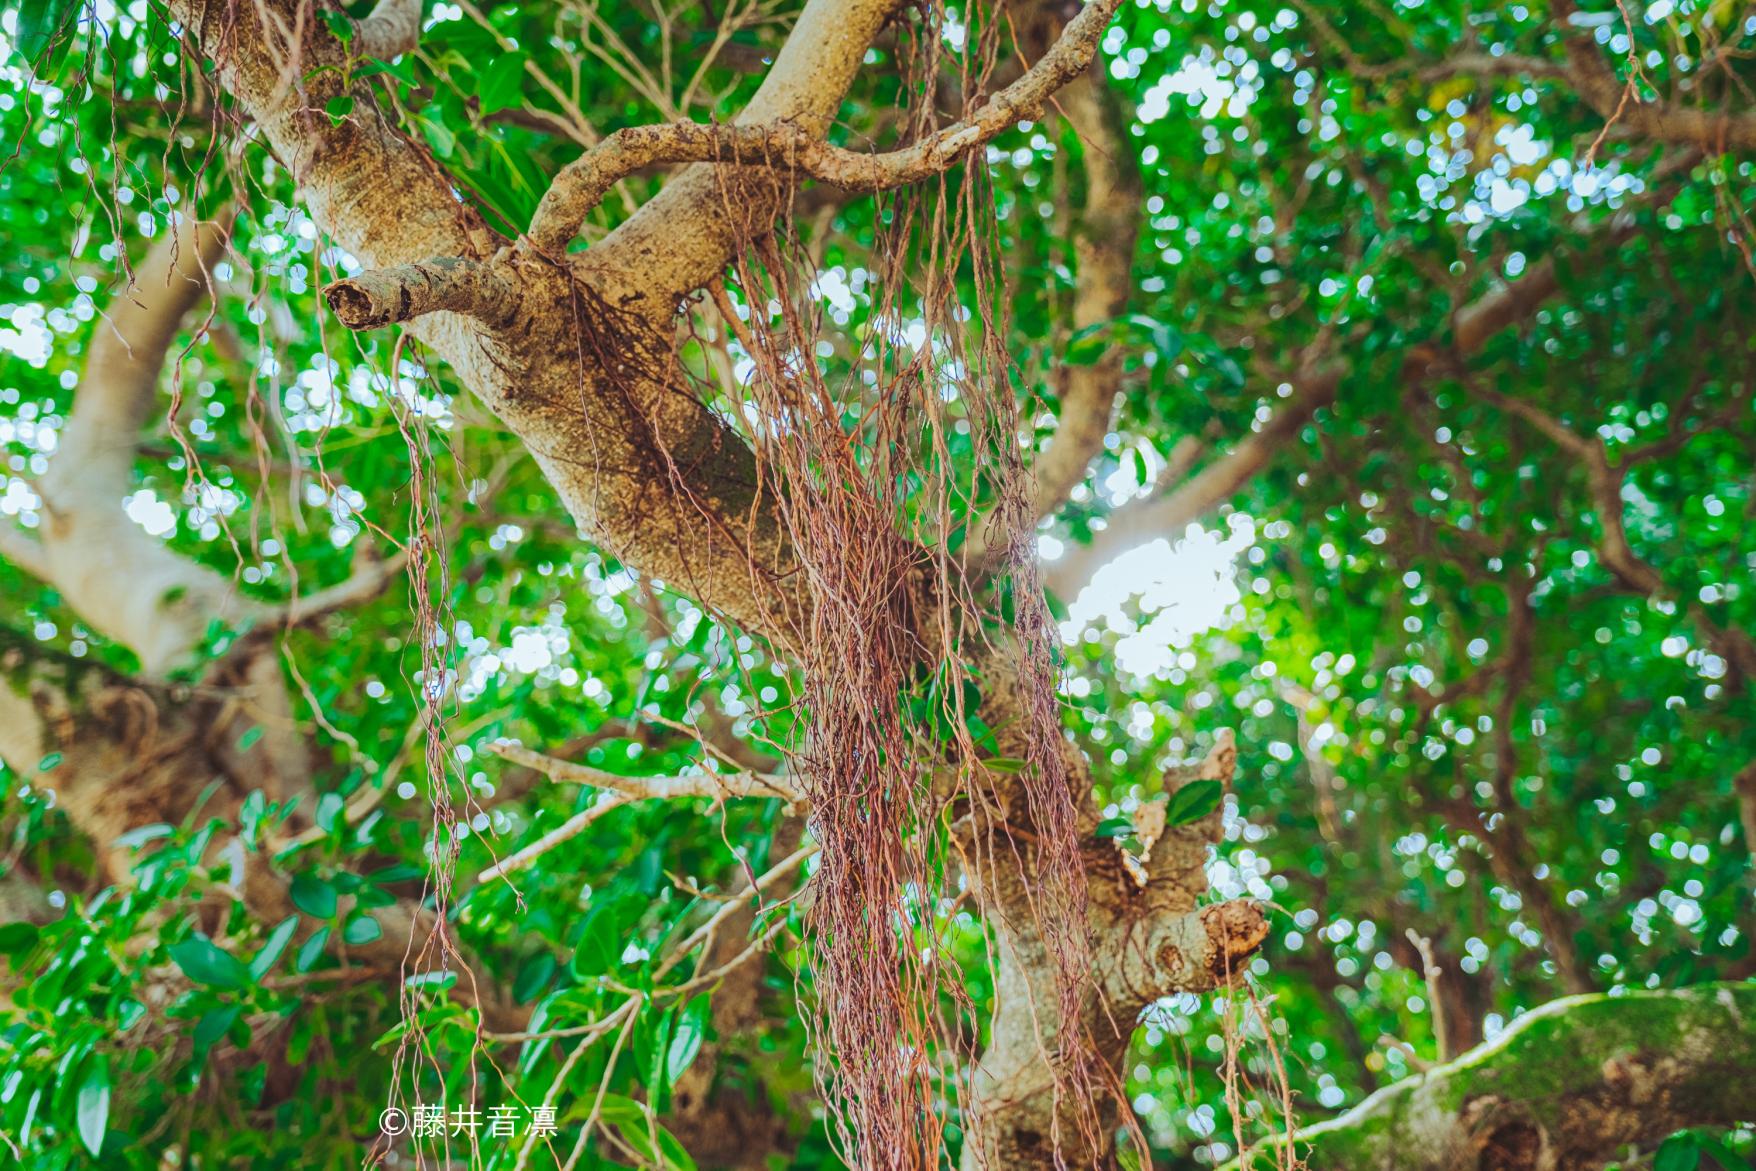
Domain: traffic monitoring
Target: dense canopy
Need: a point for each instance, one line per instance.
(728, 583)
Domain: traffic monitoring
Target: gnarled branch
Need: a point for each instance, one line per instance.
(788, 147)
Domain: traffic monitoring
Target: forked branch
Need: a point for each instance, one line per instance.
(790, 149)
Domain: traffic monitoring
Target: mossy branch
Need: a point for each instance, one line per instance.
(1565, 1088)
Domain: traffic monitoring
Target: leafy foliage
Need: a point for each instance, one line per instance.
(1460, 726)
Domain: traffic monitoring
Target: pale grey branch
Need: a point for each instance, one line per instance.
(386, 296)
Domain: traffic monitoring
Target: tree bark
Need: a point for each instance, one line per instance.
(1565, 1088)
(576, 355)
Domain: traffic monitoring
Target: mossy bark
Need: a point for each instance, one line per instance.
(1566, 1088)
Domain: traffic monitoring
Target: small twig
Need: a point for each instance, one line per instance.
(1431, 973)
(571, 828)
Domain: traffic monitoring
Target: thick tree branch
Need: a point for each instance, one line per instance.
(118, 392)
(1151, 936)
(370, 578)
(1505, 306)
(1744, 786)
(120, 580)
(23, 552)
(789, 148)
(1477, 64)
(128, 584)
(585, 377)
(118, 753)
(384, 296)
(1565, 1088)
(683, 237)
(392, 29)
(383, 197)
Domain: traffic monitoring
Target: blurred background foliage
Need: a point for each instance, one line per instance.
(1463, 732)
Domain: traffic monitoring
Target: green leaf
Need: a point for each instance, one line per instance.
(205, 962)
(1680, 1152)
(1089, 344)
(50, 761)
(329, 807)
(362, 929)
(339, 107)
(1166, 339)
(1229, 370)
(600, 942)
(39, 23)
(213, 1025)
(18, 938)
(438, 136)
(1005, 764)
(1724, 1155)
(273, 947)
(314, 896)
(658, 1081)
(686, 1041)
(140, 835)
(630, 1119)
(618, 1110)
(403, 69)
(93, 1105)
(311, 950)
(250, 814)
(434, 979)
(1115, 827)
(533, 976)
(1194, 801)
(340, 26)
(500, 85)
(30, 1114)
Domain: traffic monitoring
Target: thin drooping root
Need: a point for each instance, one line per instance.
(863, 466)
